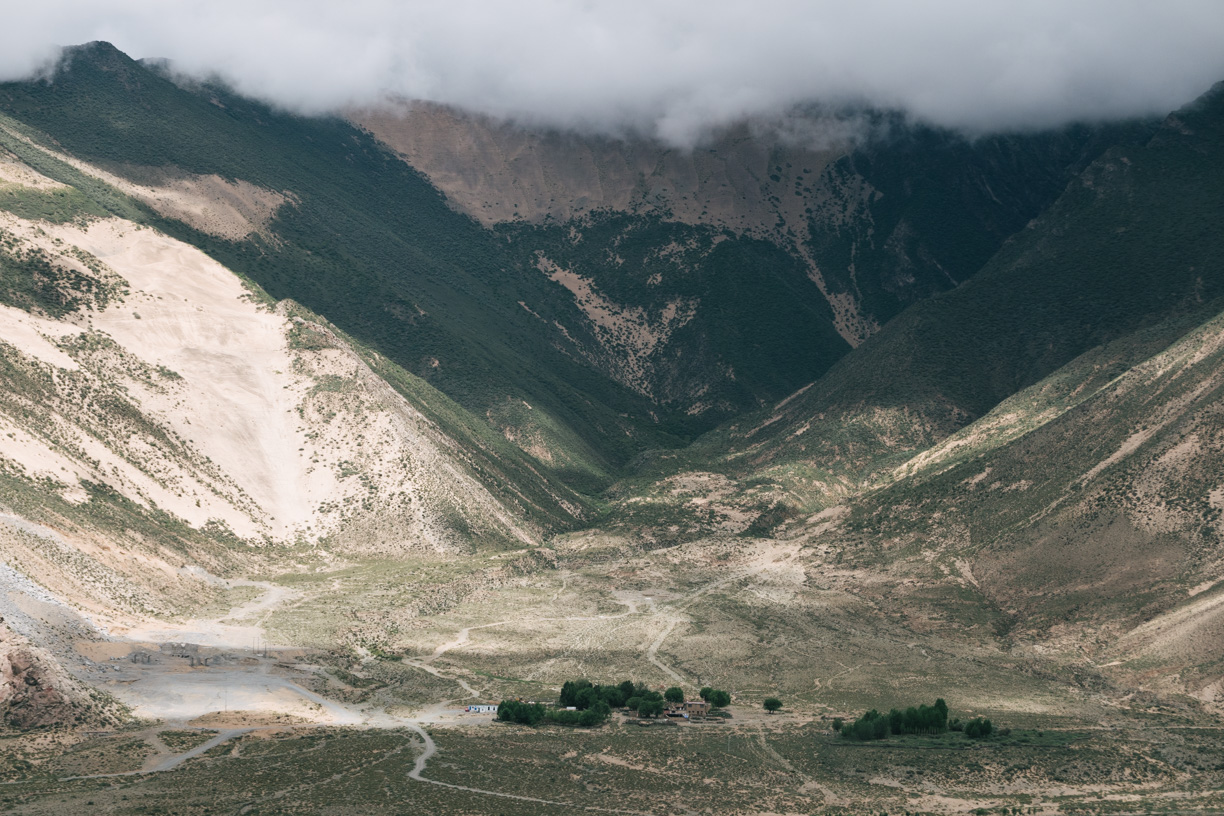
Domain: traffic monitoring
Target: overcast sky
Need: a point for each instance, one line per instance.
(671, 68)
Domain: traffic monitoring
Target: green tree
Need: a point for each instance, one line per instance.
(569, 692)
(719, 699)
(772, 704)
(871, 726)
(651, 708)
(941, 715)
(978, 728)
(838, 722)
(523, 713)
(675, 694)
(595, 715)
(614, 696)
(586, 698)
(705, 693)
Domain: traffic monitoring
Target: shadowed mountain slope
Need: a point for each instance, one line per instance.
(1134, 243)
(720, 279)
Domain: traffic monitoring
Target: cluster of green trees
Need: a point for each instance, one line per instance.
(923, 719)
(584, 703)
(518, 712)
(533, 714)
(871, 726)
(583, 694)
(977, 728)
(587, 704)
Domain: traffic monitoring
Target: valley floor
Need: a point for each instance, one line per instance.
(356, 707)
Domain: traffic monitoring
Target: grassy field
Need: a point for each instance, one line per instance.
(787, 764)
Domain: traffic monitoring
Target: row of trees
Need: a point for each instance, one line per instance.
(533, 714)
(593, 703)
(923, 719)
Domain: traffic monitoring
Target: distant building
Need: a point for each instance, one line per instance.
(695, 709)
(482, 708)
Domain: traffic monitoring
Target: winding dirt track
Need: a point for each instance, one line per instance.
(431, 748)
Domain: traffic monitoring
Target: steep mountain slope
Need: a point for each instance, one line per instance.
(35, 691)
(314, 210)
(1089, 516)
(882, 211)
(1133, 243)
(692, 287)
(158, 415)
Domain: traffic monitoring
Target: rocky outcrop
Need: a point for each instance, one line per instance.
(36, 692)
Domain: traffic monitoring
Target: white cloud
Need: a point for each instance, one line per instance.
(671, 68)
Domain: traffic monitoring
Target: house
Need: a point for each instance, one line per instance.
(696, 709)
(689, 710)
(482, 708)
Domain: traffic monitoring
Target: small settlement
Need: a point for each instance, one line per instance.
(689, 709)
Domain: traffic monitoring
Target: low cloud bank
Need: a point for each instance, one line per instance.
(673, 69)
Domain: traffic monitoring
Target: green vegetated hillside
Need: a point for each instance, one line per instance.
(1132, 244)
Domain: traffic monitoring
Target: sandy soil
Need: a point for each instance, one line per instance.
(15, 173)
(272, 441)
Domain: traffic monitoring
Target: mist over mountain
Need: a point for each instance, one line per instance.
(674, 70)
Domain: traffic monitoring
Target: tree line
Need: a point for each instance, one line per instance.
(588, 704)
(923, 719)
